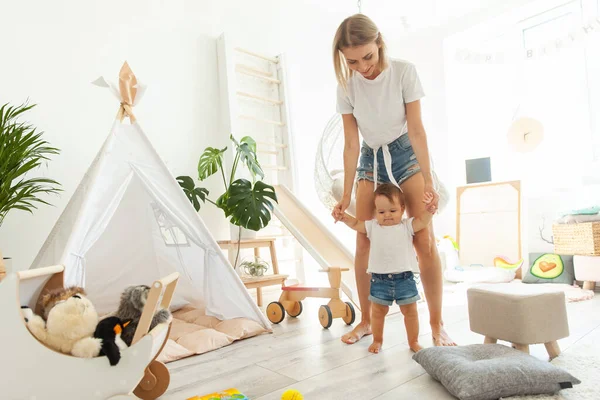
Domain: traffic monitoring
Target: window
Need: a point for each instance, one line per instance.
(560, 88)
(171, 234)
(555, 85)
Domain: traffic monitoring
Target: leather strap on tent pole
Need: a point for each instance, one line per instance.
(128, 90)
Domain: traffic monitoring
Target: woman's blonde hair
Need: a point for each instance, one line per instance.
(356, 30)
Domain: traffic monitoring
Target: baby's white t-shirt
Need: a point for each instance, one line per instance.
(392, 248)
(378, 104)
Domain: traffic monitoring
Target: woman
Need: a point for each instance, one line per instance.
(381, 96)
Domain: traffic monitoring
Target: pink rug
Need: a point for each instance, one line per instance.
(456, 294)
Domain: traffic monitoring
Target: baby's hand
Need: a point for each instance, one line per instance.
(337, 216)
(427, 198)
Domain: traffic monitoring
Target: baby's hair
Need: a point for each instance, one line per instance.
(391, 192)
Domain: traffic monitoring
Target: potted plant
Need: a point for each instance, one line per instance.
(247, 204)
(22, 150)
(254, 267)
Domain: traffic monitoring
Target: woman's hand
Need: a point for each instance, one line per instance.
(340, 209)
(432, 195)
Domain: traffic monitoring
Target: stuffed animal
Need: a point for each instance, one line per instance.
(54, 296)
(133, 300)
(109, 331)
(69, 327)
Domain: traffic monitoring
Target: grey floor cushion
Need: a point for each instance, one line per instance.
(491, 371)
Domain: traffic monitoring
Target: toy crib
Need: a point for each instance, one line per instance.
(32, 371)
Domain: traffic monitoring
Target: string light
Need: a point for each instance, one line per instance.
(473, 57)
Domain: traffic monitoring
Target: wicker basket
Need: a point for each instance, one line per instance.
(581, 239)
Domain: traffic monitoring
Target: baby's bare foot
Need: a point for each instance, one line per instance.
(375, 347)
(415, 346)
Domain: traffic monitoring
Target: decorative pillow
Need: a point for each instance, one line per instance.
(492, 371)
(549, 268)
(240, 328)
(204, 340)
(584, 211)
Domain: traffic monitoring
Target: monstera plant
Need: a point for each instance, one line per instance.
(246, 204)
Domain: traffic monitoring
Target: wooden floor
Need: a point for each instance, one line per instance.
(299, 354)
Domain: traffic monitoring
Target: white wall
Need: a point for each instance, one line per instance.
(55, 49)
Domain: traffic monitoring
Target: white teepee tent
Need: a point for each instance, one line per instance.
(130, 223)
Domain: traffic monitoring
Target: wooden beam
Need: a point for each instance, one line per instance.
(261, 98)
(253, 54)
(264, 120)
(255, 70)
(259, 76)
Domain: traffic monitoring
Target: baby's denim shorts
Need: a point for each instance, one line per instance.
(404, 162)
(387, 288)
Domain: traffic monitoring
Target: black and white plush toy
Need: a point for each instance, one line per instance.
(109, 331)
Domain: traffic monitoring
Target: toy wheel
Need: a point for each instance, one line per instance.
(154, 383)
(325, 316)
(350, 314)
(297, 310)
(275, 312)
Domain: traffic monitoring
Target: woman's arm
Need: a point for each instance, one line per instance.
(351, 153)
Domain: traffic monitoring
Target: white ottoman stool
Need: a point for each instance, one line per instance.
(587, 269)
(520, 314)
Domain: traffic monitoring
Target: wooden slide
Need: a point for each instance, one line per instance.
(314, 236)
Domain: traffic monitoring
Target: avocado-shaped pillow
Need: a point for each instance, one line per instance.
(549, 268)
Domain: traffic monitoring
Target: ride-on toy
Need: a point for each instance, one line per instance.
(290, 301)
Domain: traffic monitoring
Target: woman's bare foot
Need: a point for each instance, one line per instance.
(415, 346)
(357, 333)
(375, 347)
(441, 338)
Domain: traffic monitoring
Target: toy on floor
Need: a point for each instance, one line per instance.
(229, 394)
(504, 262)
(292, 296)
(109, 332)
(39, 371)
(292, 394)
(475, 273)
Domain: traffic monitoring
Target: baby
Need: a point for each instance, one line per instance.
(392, 260)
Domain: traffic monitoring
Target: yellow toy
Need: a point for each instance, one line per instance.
(225, 394)
(503, 262)
(292, 394)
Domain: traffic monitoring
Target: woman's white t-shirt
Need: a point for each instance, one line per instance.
(378, 104)
(392, 250)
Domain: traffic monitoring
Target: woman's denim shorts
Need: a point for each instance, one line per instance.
(389, 288)
(404, 162)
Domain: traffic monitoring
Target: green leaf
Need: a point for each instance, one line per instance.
(251, 206)
(22, 152)
(210, 162)
(246, 148)
(193, 193)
